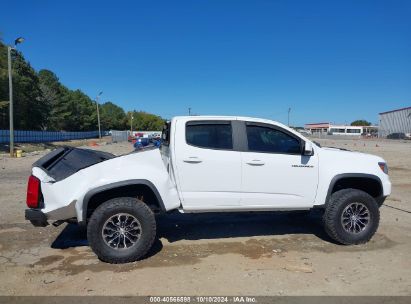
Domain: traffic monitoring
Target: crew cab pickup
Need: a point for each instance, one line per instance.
(206, 164)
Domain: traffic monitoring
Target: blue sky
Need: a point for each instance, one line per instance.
(328, 60)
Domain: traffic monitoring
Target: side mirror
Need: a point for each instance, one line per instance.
(308, 149)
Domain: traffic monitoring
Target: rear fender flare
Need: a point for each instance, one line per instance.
(130, 182)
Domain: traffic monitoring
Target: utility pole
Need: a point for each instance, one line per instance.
(131, 128)
(289, 110)
(11, 120)
(10, 103)
(98, 115)
(189, 111)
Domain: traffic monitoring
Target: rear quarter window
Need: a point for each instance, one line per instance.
(165, 134)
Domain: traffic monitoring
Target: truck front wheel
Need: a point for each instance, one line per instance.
(351, 216)
(121, 230)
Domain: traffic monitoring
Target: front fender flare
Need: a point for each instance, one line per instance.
(337, 177)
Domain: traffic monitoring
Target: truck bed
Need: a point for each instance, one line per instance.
(65, 161)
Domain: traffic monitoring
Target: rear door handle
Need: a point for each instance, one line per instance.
(255, 162)
(192, 160)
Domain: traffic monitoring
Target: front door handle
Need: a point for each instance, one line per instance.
(192, 160)
(255, 162)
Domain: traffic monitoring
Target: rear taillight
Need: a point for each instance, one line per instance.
(33, 192)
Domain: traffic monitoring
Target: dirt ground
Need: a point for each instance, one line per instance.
(212, 254)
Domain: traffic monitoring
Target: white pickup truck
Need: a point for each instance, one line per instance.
(206, 164)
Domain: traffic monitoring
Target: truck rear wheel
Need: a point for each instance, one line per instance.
(351, 217)
(121, 230)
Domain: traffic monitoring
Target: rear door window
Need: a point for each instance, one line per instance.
(210, 134)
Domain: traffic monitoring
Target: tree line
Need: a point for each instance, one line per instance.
(42, 102)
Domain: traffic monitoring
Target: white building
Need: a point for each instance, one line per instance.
(330, 129)
(345, 130)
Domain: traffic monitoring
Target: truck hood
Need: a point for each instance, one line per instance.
(350, 155)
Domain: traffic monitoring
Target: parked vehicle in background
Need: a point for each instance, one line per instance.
(157, 143)
(397, 136)
(141, 142)
(304, 132)
(206, 164)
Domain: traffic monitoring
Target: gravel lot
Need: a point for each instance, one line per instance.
(212, 254)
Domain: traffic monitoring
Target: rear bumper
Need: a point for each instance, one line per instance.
(36, 217)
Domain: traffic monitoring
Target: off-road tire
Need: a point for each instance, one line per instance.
(128, 205)
(334, 210)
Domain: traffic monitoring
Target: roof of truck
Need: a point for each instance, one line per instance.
(244, 118)
(221, 117)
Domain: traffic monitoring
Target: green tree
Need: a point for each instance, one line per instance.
(52, 91)
(112, 117)
(360, 122)
(30, 110)
(77, 112)
(41, 101)
(68, 110)
(143, 121)
(4, 87)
